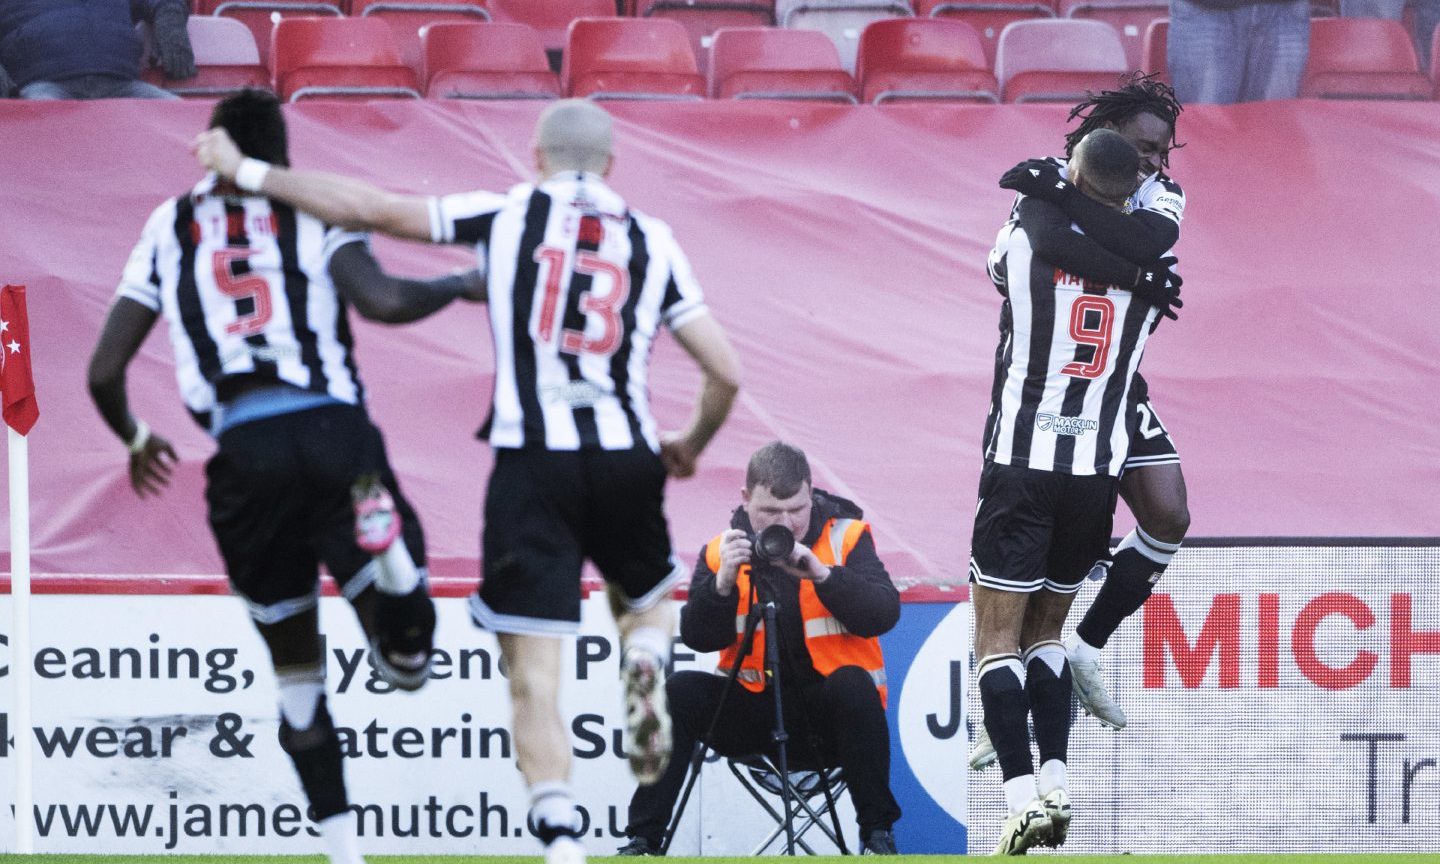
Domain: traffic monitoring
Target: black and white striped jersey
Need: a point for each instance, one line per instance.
(1068, 353)
(243, 283)
(579, 283)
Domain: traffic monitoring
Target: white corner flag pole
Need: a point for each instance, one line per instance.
(20, 653)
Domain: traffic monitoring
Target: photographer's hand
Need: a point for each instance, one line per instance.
(804, 565)
(734, 552)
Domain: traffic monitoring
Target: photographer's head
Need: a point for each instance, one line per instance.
(777, 489)
(1105, 167)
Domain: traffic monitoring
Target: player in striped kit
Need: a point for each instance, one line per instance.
(579, 283)
(256, 294)
(1055, 442)
(1143, 110)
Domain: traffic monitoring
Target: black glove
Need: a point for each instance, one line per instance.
(1038, 178)
(1159, 285)
(171, 47)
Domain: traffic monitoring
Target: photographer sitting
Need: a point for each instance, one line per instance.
(833, 598)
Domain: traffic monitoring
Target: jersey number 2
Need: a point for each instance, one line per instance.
(247, 287)
(1092, 319)
(606, 306)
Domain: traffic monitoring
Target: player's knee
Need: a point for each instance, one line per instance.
(1167, 519)
(533, 688)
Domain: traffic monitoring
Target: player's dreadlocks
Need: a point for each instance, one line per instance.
(1138, 94)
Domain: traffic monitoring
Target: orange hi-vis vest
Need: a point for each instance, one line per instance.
(830, 644)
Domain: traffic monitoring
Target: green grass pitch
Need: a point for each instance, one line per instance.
(1376, 858)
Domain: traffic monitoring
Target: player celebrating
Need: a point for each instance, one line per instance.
(578, 284)
(1143, 111)
(1055, 443)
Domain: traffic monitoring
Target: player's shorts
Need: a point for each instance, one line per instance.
(278, 491)
(546, 512)
(1039, 529)
(1150, 443)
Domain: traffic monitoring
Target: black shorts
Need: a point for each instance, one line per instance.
(546, 512)
(278, 491)
(1150, 441)
(1039, 529)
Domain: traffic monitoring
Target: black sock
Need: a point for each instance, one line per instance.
(1049, 700)
(316, 754)
(1132, 577)
(1006, 706)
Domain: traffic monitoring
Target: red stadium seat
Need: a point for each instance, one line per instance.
(630, 58)
(701, 18)
(1156, 55)
(1130, 18)
(486, 61)
(1057, 60)
(773, 63)
(347, 58)
(924, 59)
(988, 17)
(1362, 58)
(226, 60)
(260, 15)
(551, 18)
(406, 17)
(842, 20)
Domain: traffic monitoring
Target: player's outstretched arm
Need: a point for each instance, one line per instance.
(1139, 237)
(151, 456)
(1048, 229)
(703, 339)
(379, 296)
(331, 198)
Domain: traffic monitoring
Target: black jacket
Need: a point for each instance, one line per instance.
(858, 593)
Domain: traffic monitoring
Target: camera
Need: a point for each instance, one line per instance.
(773, 544)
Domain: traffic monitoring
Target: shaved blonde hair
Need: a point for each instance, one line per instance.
(573, 135)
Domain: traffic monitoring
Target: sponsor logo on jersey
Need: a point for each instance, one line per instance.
(576, 394)
(1062, 425)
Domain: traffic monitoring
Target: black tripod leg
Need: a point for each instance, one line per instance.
(697, 758)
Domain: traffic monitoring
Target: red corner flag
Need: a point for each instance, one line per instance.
(20, 408)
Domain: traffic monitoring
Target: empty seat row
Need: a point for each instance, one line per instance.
(900, 59)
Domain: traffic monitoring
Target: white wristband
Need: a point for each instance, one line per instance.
(141, 437)
(250, 176)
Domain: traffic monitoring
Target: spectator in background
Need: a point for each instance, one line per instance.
(1224, 51)
(1427, 15)
(88, 49)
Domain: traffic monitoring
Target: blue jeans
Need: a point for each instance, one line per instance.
(1427, 15)
(94, 87)
(1244, 54)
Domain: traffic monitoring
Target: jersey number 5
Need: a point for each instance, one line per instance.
(247, 287)
(606, 306)
(1092, 319)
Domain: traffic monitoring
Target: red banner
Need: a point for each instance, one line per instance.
(20, 408)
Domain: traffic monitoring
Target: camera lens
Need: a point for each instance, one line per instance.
(775, 543)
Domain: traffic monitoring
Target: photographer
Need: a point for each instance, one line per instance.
(809, 552)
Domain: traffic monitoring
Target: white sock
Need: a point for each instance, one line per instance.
(652, 640)
(1019, 792)
(300, 697)
(552, 804)
(1080, 649)
(1053, 775)
(396, 572)
(338, 834)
